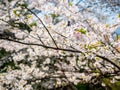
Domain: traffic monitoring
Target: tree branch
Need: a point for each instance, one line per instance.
(44, 26)
(62, 49)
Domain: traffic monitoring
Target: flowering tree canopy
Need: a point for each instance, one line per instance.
(54, 44)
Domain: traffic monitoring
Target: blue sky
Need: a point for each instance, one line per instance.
(111, 16)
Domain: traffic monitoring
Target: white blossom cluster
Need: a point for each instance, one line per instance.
(50, 68)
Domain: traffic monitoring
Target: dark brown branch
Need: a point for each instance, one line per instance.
(45, 46)
(106, 59)
(62, 49)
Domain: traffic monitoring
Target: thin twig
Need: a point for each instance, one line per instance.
(40, 39)
(44, 27)
(106, 59)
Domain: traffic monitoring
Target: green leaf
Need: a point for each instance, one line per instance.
(119, 15)
(106, 81)
(81, 30)
(33, 24)
(116, 86)
(24, 5)
(54, 15)
(3, 52)
(112, 86)
(70, 3)
(16, 13)
(81, 86)
(23, 26)
(10, 64)
(28, 15)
